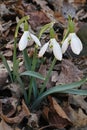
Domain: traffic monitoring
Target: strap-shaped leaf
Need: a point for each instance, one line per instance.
(76, 91)
(58, 89)
(33, 74)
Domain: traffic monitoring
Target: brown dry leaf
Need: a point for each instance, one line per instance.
(38, 18)
(1, 29)
(8, 53)
(3, 9)
(0, 107)
(48, 11)
(10, 46)
(15, 89)
(19, 10)
(57, 4)
(4, 126)
(79, 118)
(17, 128)
(42, 71)
(17, 119)
(78, 101)
(33, 120)
(3, 78)
(8, 106)
(55, 115)
(6, 25)
(78, 1)
(69, 73)
(4, 73)
(54, 77)
(59, 17)
(78, 4)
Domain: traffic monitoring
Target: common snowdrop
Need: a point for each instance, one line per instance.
(75, 43)
(25, 38)
(54, 45)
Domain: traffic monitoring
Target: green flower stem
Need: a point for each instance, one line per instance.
(48, 75)
(65, 36)
(27, 59)
(32, 79)
(14, 58)
(22, 86)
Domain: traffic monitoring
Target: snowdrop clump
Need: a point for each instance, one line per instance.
(75, 43)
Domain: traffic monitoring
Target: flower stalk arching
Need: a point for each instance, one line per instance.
(15, 42)
(19, 23)
(15, 61)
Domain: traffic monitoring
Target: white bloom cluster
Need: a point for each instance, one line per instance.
(72, 39)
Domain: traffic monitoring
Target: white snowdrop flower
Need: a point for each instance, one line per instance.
(75, 43)
(54, 45)
(25, 38)
(35, 39)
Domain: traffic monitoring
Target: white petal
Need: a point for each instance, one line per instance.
(65, 44)
(35, 39)
(23, 41)
(56, 49)
(76, 44)
(43, 49)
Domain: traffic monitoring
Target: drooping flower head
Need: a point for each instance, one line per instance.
(54, 45)
(75, 43)
(72, 39)
(25, 39)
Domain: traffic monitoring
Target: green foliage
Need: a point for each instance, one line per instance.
(60, 88)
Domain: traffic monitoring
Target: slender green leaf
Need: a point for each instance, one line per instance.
(33, 74)
(16, 67)
(58, 89)
(27, 60)
(7, 66)
(35, 90)
(76, 91)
